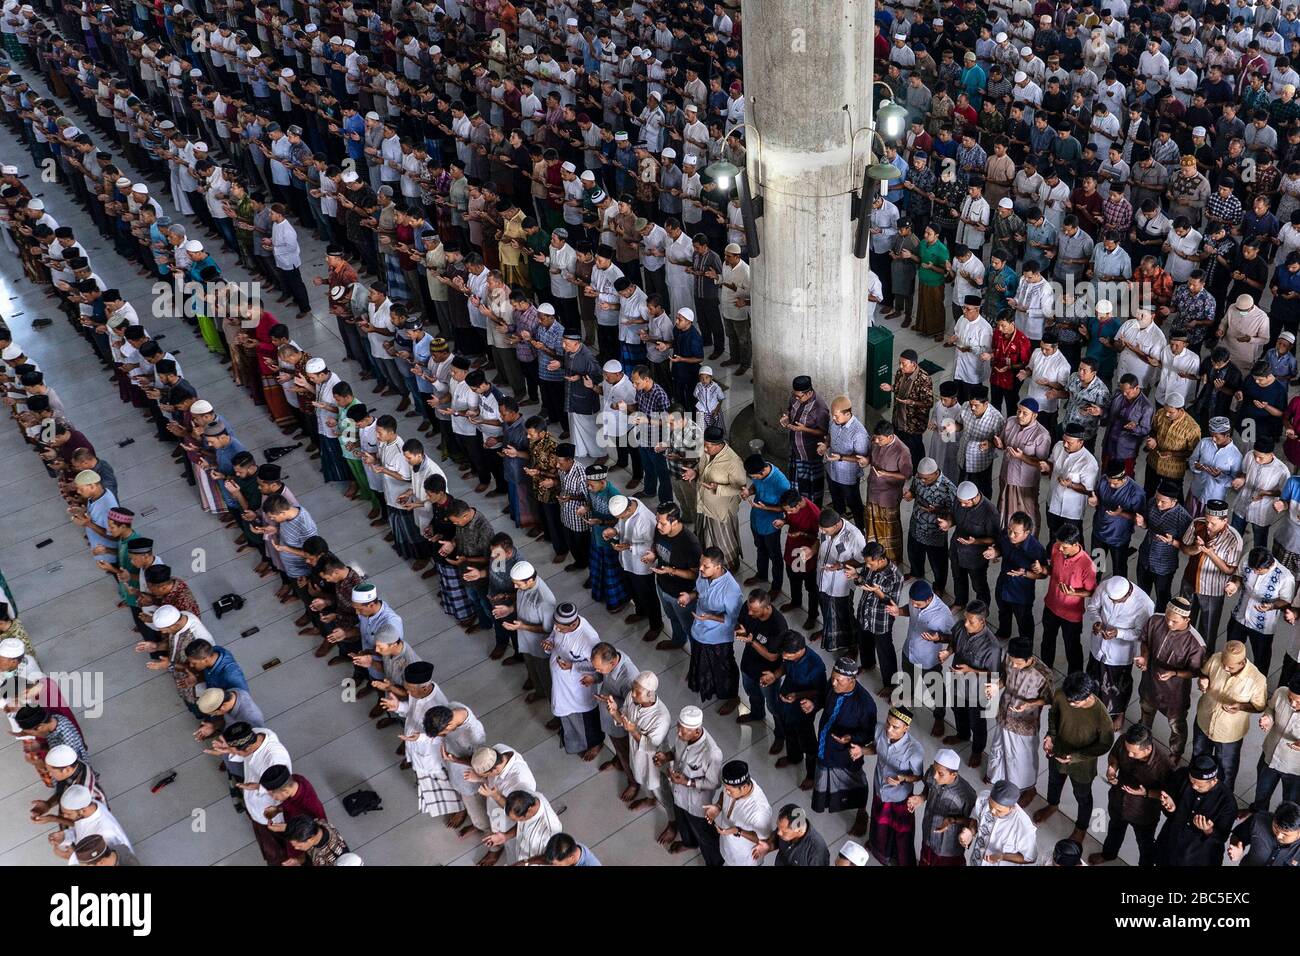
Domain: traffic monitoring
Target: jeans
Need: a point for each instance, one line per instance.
(680, 618)
(762, 701)
(1258, 531)
(1267, 780)
(1261, 645)
(1229, 755)
(657, 481)
(768, 547)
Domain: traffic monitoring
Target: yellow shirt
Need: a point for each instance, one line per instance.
(1247, 687)
(514, 229)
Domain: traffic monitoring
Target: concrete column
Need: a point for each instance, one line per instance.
(805, 62)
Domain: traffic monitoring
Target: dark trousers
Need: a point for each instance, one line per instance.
(847, 500)
(630, 458)
(657, 481)
(291, 280)
(1158, 586)
(964, 579)
(1267, 780)
(805, 580)
(1207, 612)
(554, 527)
(1261, 645)
(646, 597)
(1082, 793)
(768, 547)
(1118, 555)
(1021, 614)
(709, 317)
(972, 726)
(801, 739)
(698, 833)
(1229, 755)
(878, 648)
(917, 554)
(579, 543)
(915, 444)
(553, 402)
(982, 479)
(1117, 827)
(1071, 633)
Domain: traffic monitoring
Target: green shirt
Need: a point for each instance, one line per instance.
(124, 561)
(935, 253)
(1085, 733)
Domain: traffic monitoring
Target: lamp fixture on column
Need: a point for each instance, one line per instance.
(723, 175)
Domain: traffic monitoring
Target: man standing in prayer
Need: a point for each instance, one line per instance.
(743, 817)
(1137, 771)
(1078, 732)
(900, 762)
(948, 801)
(694, 769)
(1199, 812)
(846, 731)
(1170, 655)
(573, 701)
(1120, 611)
(646, 721)
(1026, 688)
(717, 599)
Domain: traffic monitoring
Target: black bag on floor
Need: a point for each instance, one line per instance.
(362, 801)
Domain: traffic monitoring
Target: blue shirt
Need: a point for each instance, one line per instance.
(98, 510)
(935, 616)
(719, 596)
(1115, 531)
(356, 123)
(226, 673)
(586, 857)
(225, 463)
(1018, 557)
(768, 491)
(808, 673)
(385, 619)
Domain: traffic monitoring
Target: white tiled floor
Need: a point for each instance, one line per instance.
(69, 608)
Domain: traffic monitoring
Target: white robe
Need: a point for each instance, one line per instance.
(752, 812)
(532, 835)
(568, 694)
(1014, 833)
(1150, 340)
(101, 822)
(653, 723)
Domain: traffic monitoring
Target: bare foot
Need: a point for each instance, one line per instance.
(591, 753)
(608, 764)
(629, 792)
(641, 804)
(667, 835)
(490, 858)
(455, 820)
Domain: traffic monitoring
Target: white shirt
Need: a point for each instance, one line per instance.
(284, 244)
(1150, 340)
(752, 812)
(271, 753)
(1128, 617)
(101, 822)
(1080, 467)
(638, 530)
(1275, 583)
(1014, 833)
(1047, 368)
(976, 335)
(568, 694)
(1170, 382)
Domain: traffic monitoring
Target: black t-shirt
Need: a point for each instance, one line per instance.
(682, 552)
(752, 663)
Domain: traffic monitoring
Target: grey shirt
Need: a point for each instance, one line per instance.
(956, 799)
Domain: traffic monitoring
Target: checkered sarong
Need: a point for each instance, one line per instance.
(809, 478)
(454, 596)
(437, 796)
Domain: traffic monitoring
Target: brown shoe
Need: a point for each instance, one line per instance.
(776, 748)
(728, 707)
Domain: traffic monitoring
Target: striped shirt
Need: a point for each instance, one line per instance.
(812, 413)
(292, 534)
(1202, 574)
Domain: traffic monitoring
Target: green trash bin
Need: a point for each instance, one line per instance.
(880, 365)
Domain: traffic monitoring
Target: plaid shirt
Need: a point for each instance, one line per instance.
(525, 320)
(553, 339)
(1117, 212)
(977, 437)
(652, 401)
(872, 616)
(812, 413)
(65, 732)
(328, 850)
(573, 482)
(924, 525)
(1228, 210)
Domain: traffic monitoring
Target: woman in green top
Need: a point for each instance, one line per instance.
(931, 275)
